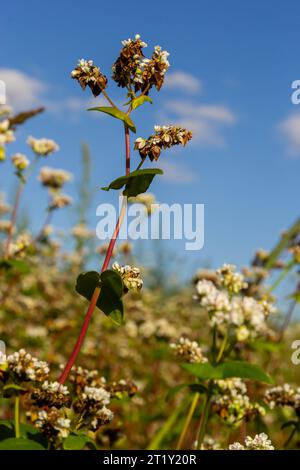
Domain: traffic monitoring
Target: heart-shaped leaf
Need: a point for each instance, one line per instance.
(112, 289)
(241, 369)
(116, 113)
(136, 182)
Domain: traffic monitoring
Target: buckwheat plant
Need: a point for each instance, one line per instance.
(138, 76)
(59, 416)
(235, 321)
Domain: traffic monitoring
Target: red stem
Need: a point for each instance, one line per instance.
(105, 265)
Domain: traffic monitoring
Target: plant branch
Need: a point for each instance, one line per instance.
(105, 265)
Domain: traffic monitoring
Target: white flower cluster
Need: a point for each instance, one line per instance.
(103, 416)
(55, 387)
(233, 404)
(59, 201)
(42, 147)
(225, 307)
(82, 231)
(131, 276)
(259, 442)
(283, 395)
(19, 246)
(56, 419)
(27, 367)
(230, 280)
(20, 161)
(54, 178)
(85, 66)
(159, 328)
(97, 394)
(188, 350)
(6, 134)
(128, 41)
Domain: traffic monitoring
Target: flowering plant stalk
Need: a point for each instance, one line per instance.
(138, 75)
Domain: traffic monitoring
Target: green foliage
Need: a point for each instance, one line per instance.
(243, 370)
(15, 266)
(136, 182)
(140, 101)
(21, 443)
(112, 290)
(76, 442)
(116, 113)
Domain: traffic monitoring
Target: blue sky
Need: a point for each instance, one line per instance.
(232, 65)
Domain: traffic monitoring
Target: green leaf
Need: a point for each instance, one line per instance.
(75, 442)
(116, 113)
(13, 443)
(15, 265)
(140, 100)
(109, 301)
(112, 289)
(136, 182)
(244, 370)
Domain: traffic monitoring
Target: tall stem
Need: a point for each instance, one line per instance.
(105, 265)
(187, 421)
(17, 417)
(282, 276)
(204, 416)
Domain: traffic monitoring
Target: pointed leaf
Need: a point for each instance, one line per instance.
(116, 113)
(136, 182)
(228, 369)
(140, 100)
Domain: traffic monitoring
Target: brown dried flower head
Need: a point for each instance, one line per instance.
(164, 137)
(127, 64)
(133, 69)
(88, 74)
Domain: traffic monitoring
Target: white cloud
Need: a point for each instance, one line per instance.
(22, 91)
(206, 121)
(177, 172)
(290, 130)
(183, 81)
